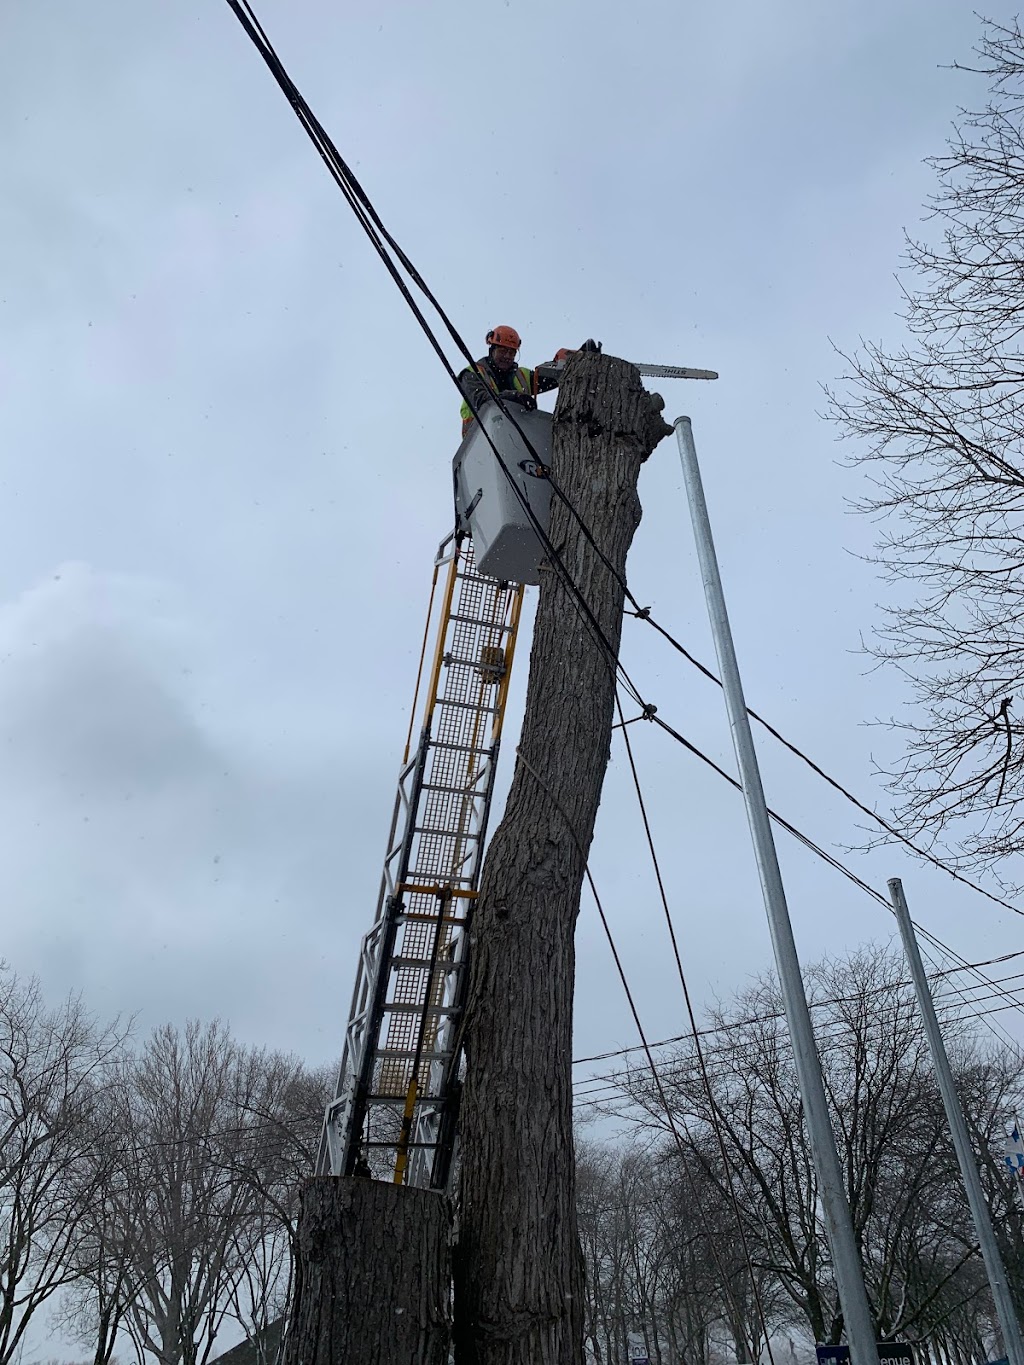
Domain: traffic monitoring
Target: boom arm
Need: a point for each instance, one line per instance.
(393, 1115)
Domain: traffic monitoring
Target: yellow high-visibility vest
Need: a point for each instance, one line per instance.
(522, 382)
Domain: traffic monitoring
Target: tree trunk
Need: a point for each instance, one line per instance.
(373, 1277)
(519, 1270)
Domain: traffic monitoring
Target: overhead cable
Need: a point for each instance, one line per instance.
(824, 1002)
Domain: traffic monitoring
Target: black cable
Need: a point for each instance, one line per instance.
(644, 614)
(825, 1002)
(996, 1028)
(829, 1037)
(714, 1110)
(809, 843)
(378, 235)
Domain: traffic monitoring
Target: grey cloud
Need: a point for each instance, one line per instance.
(140, 831)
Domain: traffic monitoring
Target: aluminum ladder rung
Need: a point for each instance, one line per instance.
(444, 832)
(439, 1011)
(462, 661)
(451, 747)
(393, 1146)
(425, 963)
(499, 627)
(471, 790)
(420, 917)
(467, 706)
(399, 1054)
(398, 1102)
(439, 889)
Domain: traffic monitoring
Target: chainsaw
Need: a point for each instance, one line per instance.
(554, 368)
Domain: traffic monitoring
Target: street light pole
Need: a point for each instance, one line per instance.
(849, 1273)
(994, 1267)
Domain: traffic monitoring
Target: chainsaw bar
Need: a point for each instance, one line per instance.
(676, 372)
(554, 370)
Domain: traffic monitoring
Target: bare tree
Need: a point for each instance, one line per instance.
(54, 1070)
(288, 1108)
(275, 1107)
(94, 1304)
(189, 1218)
(992, 1089)
(663, 1265)
(939, 425)
(906, 1199)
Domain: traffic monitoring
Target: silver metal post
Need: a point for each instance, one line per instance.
(961, 1138)
(860, 1332)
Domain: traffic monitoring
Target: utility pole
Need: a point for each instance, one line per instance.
(518, 1268)
(994, 1267)
(860, 1332)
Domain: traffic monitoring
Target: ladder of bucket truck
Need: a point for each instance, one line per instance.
(394, 1112)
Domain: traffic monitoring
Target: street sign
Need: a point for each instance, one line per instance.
(1014, 1152)
(889, 1353)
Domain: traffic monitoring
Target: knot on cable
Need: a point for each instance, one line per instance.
(650, 710)
(643, 613)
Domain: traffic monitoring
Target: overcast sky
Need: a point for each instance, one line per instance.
(225, 458)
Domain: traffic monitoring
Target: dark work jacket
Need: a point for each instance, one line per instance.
(479, 387)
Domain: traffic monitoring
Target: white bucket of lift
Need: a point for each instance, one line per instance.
(505, 540)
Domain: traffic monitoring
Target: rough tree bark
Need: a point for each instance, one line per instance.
(373, 1275)
(518, 1267)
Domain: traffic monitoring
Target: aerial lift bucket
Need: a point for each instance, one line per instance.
(506, 542)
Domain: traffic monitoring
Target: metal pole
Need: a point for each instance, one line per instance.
(860, 1332)
(994, 1268)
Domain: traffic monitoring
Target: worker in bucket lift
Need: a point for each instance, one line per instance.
(498, 373)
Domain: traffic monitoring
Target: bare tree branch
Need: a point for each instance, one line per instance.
(939, 429)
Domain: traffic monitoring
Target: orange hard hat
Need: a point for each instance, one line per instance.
(504, 336)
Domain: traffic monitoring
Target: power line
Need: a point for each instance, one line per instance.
(381, 240)
(832, 1033)
(705, 1079)
(827, 1002)
(599, 1091)
(644, 615)
(812, 846)
(670, 1117)
(589, 1088)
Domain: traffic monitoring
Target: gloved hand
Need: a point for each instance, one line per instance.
(525, 400)
(590, 345)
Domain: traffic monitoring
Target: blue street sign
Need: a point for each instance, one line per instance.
(889, 1353)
